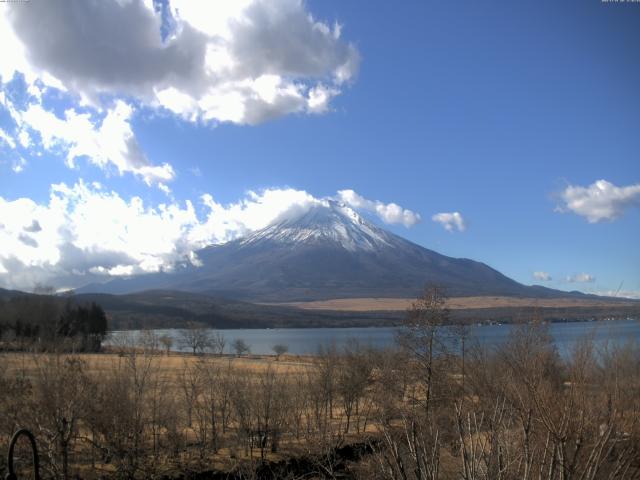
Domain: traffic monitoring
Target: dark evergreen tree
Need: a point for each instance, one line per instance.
(47, 320)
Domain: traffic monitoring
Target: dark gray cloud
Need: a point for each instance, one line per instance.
(93, 46)
(221, 61)
(27, 240)
(74, 268)
(277, 38)
(74, 259)
(33, 227)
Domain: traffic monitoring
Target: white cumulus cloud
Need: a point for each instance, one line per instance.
(106, 143)
(391, 213)
(230, 61)
(600, 201)
(542, 276)
(581, 278)
(85, 231)
(451, 221)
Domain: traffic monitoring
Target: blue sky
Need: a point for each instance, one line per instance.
(521, 117)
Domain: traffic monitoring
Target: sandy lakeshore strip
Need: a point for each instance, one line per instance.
(455, 303)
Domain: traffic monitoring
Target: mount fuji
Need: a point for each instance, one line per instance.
(327, 251)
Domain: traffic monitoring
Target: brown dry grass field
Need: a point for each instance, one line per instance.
(163, 408)
(169, 370)
(170, 365)
(454, 303)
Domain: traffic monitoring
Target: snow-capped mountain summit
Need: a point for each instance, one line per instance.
(327, 222)
(325, 251)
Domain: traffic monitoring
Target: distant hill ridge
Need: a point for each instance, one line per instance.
(177, 309)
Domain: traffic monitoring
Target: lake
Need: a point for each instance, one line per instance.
(307, 340)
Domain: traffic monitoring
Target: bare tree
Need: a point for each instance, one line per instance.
(167, 342)
(242, 402)
(149, 341)
(197, 339)
(270, 410)
(15, 400)
(280, 349)
(211, 402)
(190, 385)
(122, 342)
(426, 336)
(119, 417)
(327, 366)
(354, 376)
(61, 394)
(217, 343)
(241, 347)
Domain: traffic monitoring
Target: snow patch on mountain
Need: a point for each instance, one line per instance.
(326, 221)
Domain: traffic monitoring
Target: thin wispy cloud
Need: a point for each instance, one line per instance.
(542, 276)
(632, 294)
(18, 165)
(581, 278)
(451, 221)
(7, 139)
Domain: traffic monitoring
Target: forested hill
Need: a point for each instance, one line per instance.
(176, 309)
(48, 321)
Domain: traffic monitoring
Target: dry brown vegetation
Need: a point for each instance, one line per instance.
(434, 408)
(454, 303)
(143, 413)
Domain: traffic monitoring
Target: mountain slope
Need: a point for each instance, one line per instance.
(328, 251)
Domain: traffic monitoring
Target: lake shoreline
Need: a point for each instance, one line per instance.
(307, 341)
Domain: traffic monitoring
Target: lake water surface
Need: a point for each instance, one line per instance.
(309, 340)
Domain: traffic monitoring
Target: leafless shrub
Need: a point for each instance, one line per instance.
(196, 339)
(120, 416)
(61, 395)
(280, 349)
(167, 342)
(354, 376)
(240, 347)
